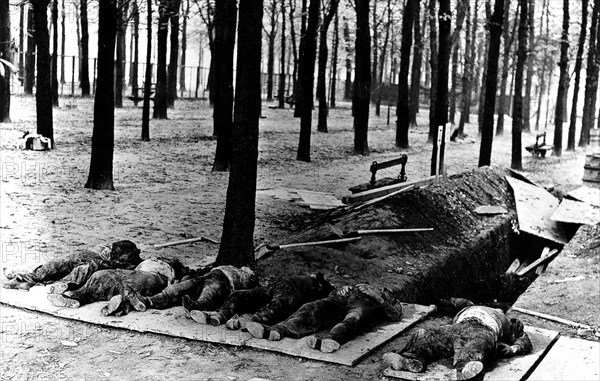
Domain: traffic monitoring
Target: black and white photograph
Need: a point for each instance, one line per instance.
(298, 190)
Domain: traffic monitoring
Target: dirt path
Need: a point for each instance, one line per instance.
(165, 190)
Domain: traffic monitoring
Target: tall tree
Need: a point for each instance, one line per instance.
(101, 163)
(30, 56)
(84, 69)
(184, 23)
(22, 40)
(322, 67)
(306, 79)
(361, 91)
(237, 241)
(441, 99)
(225, 21)
(282, 62)
(578, 64)
(491, 85)
(54, 61)
(292, 9)
(382, 60)
(433, 63)
(147, 76)
(348, 45)
(415, 75)
(334, 60)
(455, 49)
(63, 37)
(517, 123)
(43, 93)
(271, 35)
(562, 82)
(135, 37)
(6, 55)
(508, 35)
(206, 14)
(160, 97)
(484, 74)
(174, 7)
(468, 74)
(122, 8)
(591, 82)
(530, 68)
(402, 122)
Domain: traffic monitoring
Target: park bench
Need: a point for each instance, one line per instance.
(376, 166)
(538, 149)
(140, 98)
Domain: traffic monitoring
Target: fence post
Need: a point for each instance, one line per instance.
(73, 78)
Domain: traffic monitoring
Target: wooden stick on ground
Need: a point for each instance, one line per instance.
(183, 241)
(538, 262)
(552, 318)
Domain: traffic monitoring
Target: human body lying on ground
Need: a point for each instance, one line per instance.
(75, 269)
(269, 305)
(149, 277)
(346, 312)
(208, 291)
(476, 338)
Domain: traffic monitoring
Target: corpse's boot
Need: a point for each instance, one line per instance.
(58, 288)
(257, 330)
(61, 301)
(113, 305)
(198, 316)
(139, 303)
(234, 323)
(399, 362)
(470, 372)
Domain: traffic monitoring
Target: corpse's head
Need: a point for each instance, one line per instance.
(516, 328)
(249, 279)
(125, 252)
(322, 286)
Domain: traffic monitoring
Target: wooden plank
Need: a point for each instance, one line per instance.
(353, 351)
(534, 208)
(538, 262)
(576, 212)
(490, 209)
(514, 368)
(378, 192)
(319, 200)
(570, 359)
(586, 194)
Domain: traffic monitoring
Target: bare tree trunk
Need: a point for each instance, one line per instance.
(402, 121)
(101, 163)
(62, 44)
(470, 53)
(43, 93)
(530, 69)
(122, 6)
(441, 99)
(454, 79)
(186, 14)
(282, 63)
(433, 62)
(30, 56)
(348, 80)
(22, 41)
(174, 7)
(379, 71)
(292, 5)
(54, 66)
(6, 54)
(591, 83)
(147, 76)
(334, 60)
(208, 21)
(306, 76)
(84, 69)
(544, 63)
(362, 79)
(562, 82)
(160, 97)
(134, 72)
(484, 75)
(517, 122)
(487, 132)
(375, 51)
(237, 241)
(415, 81)
(225, 21)
(322, 68)
(509, 36)
(578, 64)
(271, 35)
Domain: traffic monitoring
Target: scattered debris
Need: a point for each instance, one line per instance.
(513, 266)
(541, 268)
(538, 262)
(576, 212)
(569, 279)
(534, 208)
(555, 319)
(490, 210)
(68, 343)
(390, 189)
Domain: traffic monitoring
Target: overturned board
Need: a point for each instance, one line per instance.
(318, 200)
(570, 359)
(172, 322)
(353, 351)
(515, 368)
(534, 209)
(586, 194)
(576, 212)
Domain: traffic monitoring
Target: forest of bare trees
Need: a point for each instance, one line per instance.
(438, 63)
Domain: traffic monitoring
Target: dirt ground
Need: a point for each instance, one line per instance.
(165, 191)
